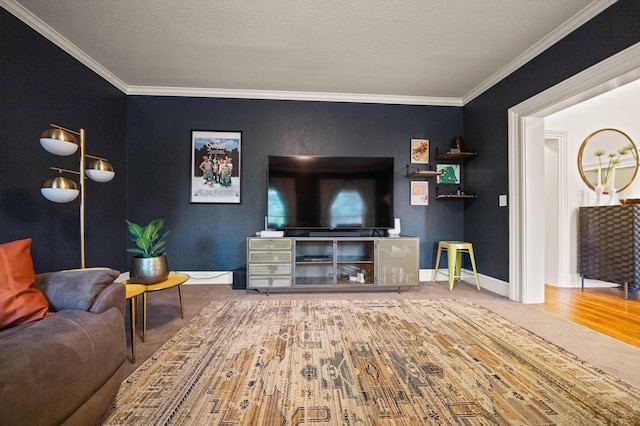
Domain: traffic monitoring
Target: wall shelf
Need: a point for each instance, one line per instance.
(455, 196)
(459, 195)
(456, 156)
(415, 172)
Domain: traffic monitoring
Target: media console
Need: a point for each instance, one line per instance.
(332, 263)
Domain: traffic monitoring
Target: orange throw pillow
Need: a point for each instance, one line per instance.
(19, 302)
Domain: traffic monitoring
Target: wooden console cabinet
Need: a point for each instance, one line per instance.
(610, 244)
(334, 264)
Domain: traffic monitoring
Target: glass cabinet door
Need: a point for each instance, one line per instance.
(398, 261)
(314, 263)
(355, 262)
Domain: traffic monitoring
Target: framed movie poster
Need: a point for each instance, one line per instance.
(420, 151)
(419, 193)
(215, 166)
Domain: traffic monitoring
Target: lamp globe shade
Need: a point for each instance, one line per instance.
(60, 190)
(100, 171)
(58, 142)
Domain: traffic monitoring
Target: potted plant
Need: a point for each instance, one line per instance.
(149, 266)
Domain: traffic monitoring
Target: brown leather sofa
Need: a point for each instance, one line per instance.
(66, 368)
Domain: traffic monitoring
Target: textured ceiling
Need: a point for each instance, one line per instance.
(423, 48)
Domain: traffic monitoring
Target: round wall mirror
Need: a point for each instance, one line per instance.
(608, 155)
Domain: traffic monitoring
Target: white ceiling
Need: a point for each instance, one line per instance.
(442, 52)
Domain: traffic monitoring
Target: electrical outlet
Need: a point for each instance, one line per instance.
(502, 200)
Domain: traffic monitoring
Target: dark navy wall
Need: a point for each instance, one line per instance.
(486, 126)
(212, 236)
(40, 84)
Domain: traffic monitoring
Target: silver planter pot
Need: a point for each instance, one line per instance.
(148, 270)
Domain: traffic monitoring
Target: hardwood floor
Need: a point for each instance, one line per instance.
(601, 309)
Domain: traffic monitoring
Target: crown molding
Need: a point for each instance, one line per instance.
(56, 38)
(44, 29)
(49, 33)
(611, 73)
(292, 96)
(549, 40)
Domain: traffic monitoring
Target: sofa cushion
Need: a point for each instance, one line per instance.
(53, 366)
(19, 301)
(75, 289)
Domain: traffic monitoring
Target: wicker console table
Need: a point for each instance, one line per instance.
(609, 239)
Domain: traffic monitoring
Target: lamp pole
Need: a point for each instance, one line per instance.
(82, 165)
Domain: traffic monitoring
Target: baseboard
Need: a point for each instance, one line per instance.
(488, 283)
(426, 275)
(198, 277)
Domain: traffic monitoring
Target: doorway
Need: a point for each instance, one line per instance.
(526, 158)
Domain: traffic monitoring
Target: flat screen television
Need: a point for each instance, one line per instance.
(330, 193)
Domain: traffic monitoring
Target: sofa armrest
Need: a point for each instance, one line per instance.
(80, 289)
(113, 294)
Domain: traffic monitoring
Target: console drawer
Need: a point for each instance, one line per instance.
(270, 256)
(269, 244)
(270, 269)
(266, 282)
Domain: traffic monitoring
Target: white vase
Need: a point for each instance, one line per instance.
(613, 196)
(599, 190)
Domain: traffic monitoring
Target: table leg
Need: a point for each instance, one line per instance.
(134, 302)
(180, 296)
(144, 316)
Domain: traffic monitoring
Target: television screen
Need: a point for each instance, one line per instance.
(331, 193)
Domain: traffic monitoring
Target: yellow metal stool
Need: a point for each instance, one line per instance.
(454, 251)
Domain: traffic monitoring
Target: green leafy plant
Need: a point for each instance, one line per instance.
(149, 242)
(614, 160)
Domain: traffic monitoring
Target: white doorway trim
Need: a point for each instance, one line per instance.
(563, 246)
(526, 140)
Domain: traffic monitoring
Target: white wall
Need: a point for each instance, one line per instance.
(619, 109)
(551, 266)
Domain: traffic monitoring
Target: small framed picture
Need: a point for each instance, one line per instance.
(449, 174)
(420, 151)
(215, 166)
(419, 193)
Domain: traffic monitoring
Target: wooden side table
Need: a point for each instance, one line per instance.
(133, 291)
(175, 279)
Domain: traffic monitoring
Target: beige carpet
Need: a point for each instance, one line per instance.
(369, 362)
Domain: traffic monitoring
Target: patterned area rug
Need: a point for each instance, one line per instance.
(387, 362)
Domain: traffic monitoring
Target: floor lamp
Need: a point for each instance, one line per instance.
(60, 141)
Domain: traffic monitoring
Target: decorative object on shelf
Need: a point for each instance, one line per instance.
(599, 191)
(395, 232)
(608, 157)
(420, 151)
(150, 265)
(449, 174)
(442, 194)
(613, 198)
(456, 144)
(61, 141)
(215, 166)
(453, 155)
(630, 201)
(419, 193)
